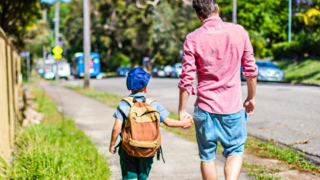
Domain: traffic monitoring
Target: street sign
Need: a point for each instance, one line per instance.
(57, 51)
(24, 54)
(57, 56)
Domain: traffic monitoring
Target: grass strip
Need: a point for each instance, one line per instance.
(252, 145)
(55, 149)
(307, 71)
(271, 150)
(261, 172)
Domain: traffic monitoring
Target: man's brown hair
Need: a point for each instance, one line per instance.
(205, 8)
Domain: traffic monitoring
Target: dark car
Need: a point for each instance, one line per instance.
(123, 71)
(155, 71)
(268, 71)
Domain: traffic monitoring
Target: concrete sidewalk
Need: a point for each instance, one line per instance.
(95, 119)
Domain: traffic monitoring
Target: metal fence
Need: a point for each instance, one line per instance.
(9, 94)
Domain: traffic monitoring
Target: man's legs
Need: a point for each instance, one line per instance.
(233, 166)
(208, 170)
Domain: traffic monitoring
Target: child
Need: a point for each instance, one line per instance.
(134, 167)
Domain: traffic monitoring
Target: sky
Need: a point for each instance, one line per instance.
(51, 1)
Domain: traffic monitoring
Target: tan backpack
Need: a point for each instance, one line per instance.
(141, 132)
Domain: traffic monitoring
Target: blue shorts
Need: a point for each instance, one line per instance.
(230, 130)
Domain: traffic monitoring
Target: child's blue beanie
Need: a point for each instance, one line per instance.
(137, 78)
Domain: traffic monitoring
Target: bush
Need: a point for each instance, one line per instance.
(259, 44)
(296, 49)
(286, 50)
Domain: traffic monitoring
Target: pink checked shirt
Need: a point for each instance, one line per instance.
(215, 52)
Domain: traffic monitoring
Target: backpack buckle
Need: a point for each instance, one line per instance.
(135, 99)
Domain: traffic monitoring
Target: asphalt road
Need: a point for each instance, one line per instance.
(284, 112)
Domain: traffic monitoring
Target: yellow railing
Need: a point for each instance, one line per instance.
(9, 94)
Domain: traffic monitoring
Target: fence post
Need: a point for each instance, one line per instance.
(9, 93)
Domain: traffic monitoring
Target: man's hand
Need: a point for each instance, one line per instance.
(249, 106)
(184, 115)
(112, 149)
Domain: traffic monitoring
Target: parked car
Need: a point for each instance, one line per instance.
(122, 71)
(161, 72)
(49, 74)
(64, 70)
(176, 70)
(268, 71)
(155, 71)
(167, 70)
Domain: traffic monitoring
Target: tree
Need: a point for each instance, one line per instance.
(16, 16)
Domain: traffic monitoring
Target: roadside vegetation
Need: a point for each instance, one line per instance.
(253, 146)
(306, 71)
(55, 149)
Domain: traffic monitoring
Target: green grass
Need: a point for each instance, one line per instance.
(307, 71)
(260, 172)
(272, 151)
(55, 149)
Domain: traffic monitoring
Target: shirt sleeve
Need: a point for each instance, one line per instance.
(189, 68)
(164, 113)
(124, 107)
(248, 61)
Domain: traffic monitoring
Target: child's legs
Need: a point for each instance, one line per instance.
(144, 168)
(129, 165)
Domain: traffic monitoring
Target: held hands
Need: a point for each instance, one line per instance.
(249, 106)
(112, 149)
(184, 116)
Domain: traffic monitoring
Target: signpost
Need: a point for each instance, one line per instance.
(57, 51)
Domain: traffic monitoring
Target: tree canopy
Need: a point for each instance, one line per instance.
(16, 17)
(126, 31)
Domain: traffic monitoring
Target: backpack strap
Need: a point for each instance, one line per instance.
(150, 100)
(129, 100)
(159, 151)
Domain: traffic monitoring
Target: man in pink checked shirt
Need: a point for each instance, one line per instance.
(215, 51)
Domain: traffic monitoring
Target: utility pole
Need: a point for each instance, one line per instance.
(290, 20)
(44, 16)
(234, 12)
(86, 42)
(56, 38)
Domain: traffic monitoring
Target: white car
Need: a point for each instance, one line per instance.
(167, 70)
(64, 70)
(49, 75)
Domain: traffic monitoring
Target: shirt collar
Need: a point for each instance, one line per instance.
(213, 19)
(138, 94)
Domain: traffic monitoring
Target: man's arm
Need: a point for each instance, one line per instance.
(187, 78)
(250, 71)
(114, 135)
(183, 99)
(250, 104)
